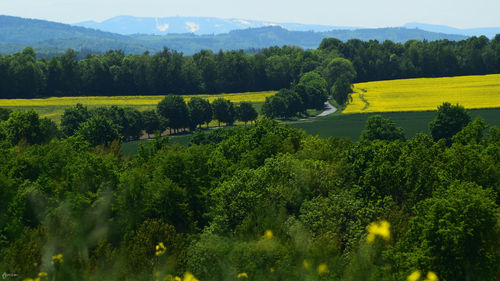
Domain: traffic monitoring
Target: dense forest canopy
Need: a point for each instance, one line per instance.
(262, 202)
(168, 71)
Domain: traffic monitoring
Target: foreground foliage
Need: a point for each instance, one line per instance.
(265, 202)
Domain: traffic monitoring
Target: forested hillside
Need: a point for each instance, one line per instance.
(21, 30)
(259, 38)
(263, 202)
(51, 38)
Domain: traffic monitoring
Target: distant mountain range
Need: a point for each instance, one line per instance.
(50, 38)
(127, 25)
(486, 31)
(17, 33)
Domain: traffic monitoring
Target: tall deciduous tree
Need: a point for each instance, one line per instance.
(23, 125)
(73, 117)
(380, 128)
(98, 130)
(337, 68)
(274, 107)
(223, 111)
(151, 121)
(174, 109)
(200, 111)
(450, 119)
(246, 112)
(293, 102)
(341, 89)
(312, 88)
(134, 123)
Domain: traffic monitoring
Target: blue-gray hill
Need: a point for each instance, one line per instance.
(52, 38)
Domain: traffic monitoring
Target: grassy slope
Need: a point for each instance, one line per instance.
(351, 125)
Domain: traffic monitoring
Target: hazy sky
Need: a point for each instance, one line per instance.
(365, 13)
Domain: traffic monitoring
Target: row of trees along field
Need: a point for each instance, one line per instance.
(22, 75)
(103, 125)
(263, 202)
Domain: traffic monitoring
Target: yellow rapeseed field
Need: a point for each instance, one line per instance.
(54, 107)
(423, 94)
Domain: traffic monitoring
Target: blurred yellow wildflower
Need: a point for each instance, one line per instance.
(160, 249)
(268, 234)
(322, 268)
(414, 276)
(57, 259)
(177, 278)
(39, 278)
(431, 276)
(271, 269)
(305, 264)
(188, 276)
(381, 229)
(242, 275)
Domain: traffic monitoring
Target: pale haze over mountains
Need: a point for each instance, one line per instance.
(192, 34)
(128, 25)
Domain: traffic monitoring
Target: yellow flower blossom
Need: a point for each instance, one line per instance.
(39, 278)
(431, 276)
(414, 276)
(305, 264)
(322, 268)
(57, 259)
(268, 234)
(188, 276)
(271, 269)
(242, 275)
(160, 249)
(381, 229)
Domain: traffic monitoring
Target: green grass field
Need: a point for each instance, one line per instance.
(351, 125)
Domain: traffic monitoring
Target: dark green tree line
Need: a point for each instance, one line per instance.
(168, 71)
